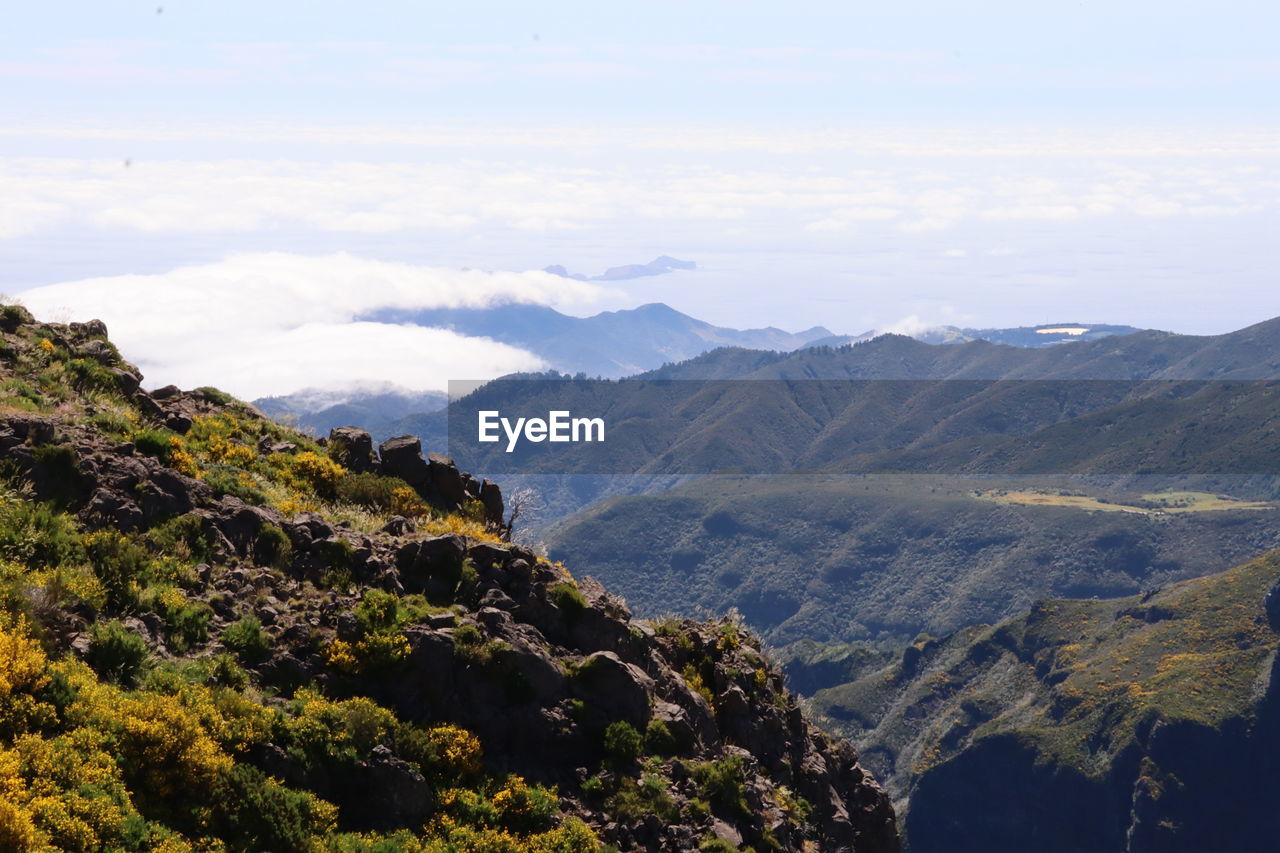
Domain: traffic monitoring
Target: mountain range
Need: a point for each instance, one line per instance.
(610, 344)
(1002, 498)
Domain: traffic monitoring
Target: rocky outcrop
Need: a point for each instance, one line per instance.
(353, 448)
(552, 674)
(436, 478)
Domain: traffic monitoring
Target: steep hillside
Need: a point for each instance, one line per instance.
(1142, 724)
(219, 634)
(883, 558)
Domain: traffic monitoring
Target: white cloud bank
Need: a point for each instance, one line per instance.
(587, 182)
(273, 323)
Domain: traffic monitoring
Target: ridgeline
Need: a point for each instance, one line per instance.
(220, 634)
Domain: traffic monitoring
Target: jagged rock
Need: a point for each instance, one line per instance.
(677, 721)
(618, 688)
(402, 457)
(148, 405)
(306, 529)
(491, 498)
(436, 478)
(113, 508)
(98, 350)
(88, 329)
(178, 422)
(353, 448)
(389, 793)
(498, 599)
(431, 564)
(127, 382)
(488, 555)
(444, 482)
(241, 523)
(1272, 605)
(270, 448)
(167, 493)
(398, 525)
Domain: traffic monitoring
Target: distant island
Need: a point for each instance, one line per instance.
(658, 266)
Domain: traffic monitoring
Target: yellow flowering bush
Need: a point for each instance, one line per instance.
(166, 745)
(328, 730)
(23, 672)
(458, 750)
(222, 450)
(309, 468)
(341, 655)
(372, 653)
(405, 501)
(180, 459)
(17, 827)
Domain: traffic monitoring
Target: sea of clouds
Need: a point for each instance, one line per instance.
(274, 323)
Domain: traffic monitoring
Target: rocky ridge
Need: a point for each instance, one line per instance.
(326, 572)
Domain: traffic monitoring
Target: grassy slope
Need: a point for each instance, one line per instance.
(884, 558)
(1076, 680)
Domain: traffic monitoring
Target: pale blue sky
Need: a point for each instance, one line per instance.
(856, 165)
(796, 61)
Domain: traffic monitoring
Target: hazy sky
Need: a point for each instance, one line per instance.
(850, 164)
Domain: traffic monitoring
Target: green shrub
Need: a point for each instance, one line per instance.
(36, 535)
(216, 396)
(271, 547)
(226, 480)
(23, 394)
(659, 740)
(61, 467)
(715, 844)
(720, 782)
(112, 423)
(154, 442)
(622, 744)
(336, 554)
(569, 599)
(471, 646)
(115, 652)
(225, 672)
(368, 490)
(377, 611)
(88, 375)
(634, 801)
(246, 640)
(525, 809)
(187, 626)
(184, 537)
(13, 316)
(593, 788)
(119, 564)
(252, 811)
